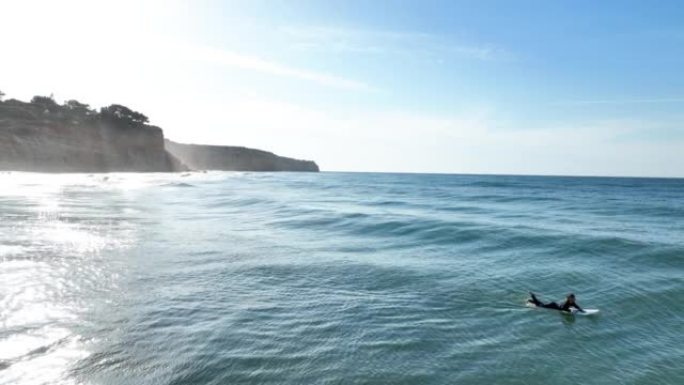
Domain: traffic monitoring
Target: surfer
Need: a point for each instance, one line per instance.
(569, 303)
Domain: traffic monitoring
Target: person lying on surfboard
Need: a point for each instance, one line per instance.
(569, 303)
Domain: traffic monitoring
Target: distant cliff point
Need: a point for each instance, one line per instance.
(202, 157)
(45, 136)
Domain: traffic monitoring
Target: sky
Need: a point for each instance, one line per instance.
(493, 87)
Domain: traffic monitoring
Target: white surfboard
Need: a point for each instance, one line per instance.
(585, 312)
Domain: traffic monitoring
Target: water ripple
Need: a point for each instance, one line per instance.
(337, 278)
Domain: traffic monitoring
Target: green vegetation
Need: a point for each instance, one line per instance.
(78, 108)
(48, 103)
(42, 107)
(117, 112)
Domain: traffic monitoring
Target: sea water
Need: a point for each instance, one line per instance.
(338, 278)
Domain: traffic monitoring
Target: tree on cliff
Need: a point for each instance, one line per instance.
(119, 113)
(46, 102)
(78, 108)
(2, 95)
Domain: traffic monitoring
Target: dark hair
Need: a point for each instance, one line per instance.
(571, 295)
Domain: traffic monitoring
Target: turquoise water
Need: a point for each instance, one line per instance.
(333, 278)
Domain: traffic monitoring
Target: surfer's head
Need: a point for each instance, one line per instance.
(571, 298)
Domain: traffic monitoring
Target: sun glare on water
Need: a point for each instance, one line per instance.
(53, 245)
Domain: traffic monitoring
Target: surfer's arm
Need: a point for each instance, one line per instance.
(576, 306)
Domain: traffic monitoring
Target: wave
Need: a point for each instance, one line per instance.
(333, 278)
(177, 184)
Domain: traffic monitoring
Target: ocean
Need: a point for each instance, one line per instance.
(339, 278)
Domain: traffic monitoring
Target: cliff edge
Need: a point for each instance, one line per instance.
(231, 158)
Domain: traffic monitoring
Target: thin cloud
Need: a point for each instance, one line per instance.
(620, 101)
(253, 63)
(380, 42)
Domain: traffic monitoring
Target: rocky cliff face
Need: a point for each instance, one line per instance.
(201, 157)
(33, 138)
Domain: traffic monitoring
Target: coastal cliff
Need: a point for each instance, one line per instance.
(230, 158)
(44, 136)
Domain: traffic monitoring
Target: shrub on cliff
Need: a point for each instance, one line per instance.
(78, 108)
(2, 95)
(117, 113)
(47, 103)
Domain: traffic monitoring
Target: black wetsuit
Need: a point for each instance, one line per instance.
(552, 305)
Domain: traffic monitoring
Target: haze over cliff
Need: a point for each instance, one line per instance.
(44, 136)
(204, 157)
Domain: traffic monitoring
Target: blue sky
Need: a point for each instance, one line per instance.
(524, 87)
